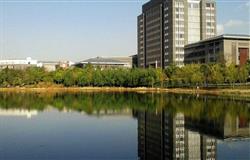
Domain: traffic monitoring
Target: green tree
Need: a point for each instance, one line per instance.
(161, 77)
(248, 66)
(98, 78)
(243, 74)
(231, 74)
(58, 76)
(216, 74)
(170, 71)
(206, 72)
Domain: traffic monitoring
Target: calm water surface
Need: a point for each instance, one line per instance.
(124, 126)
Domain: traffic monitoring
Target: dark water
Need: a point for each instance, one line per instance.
(122, 127)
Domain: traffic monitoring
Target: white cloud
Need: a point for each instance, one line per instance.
(220, 29)
(234, 27)
(243, 6)
(234, 23)
(247, 4)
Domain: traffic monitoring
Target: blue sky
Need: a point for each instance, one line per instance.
(56, 30)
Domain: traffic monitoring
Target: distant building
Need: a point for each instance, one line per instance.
(110, 62)
(49, 65)
(28, 62)
(228, 49)
(53, 65)
(18, 64)
(165, 26)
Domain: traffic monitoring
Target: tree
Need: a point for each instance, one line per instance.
(170, 71)
(150, 77)
(206, 72)
(216, 74)
(58, 76)
(33, 75)
(161, 77)
(89, 69)
(248, 66)
(97, 78)
(231, 74)
(72, 77)
(243, 74)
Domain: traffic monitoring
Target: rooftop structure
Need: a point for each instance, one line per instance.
(109, 62)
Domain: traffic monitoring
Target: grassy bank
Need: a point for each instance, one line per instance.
(228, 92)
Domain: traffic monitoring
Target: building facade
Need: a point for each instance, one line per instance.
(166, 26)
(227, 49)
(51, 66)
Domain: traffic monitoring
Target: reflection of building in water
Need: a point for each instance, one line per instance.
(163, 136)
(103, 112)
(174, 134)
(193, 145)
(111, 112)
(227, 127)
(237, 126)
(208, 147)
(17, 112)
(150, 135)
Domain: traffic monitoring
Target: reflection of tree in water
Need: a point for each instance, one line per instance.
(193, 107)
(207, 113)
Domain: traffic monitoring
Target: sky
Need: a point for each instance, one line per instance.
(80, 29)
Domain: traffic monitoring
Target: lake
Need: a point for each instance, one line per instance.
(122, 126)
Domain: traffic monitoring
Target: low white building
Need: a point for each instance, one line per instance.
(51, 66)
(28, 62)
(18, 64)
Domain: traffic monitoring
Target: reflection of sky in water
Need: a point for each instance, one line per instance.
(68, 136)
(234, 150)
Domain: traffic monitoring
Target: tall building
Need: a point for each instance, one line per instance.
(166, 26)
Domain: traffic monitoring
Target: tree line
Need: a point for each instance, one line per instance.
(172, 76)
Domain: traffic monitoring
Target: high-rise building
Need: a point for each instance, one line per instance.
(166, 26)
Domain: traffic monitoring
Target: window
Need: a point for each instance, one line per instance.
(195, 5)
(208, 5)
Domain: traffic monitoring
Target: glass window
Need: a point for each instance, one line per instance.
(195, 5)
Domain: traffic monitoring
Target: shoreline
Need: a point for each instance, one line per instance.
(229, 92)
